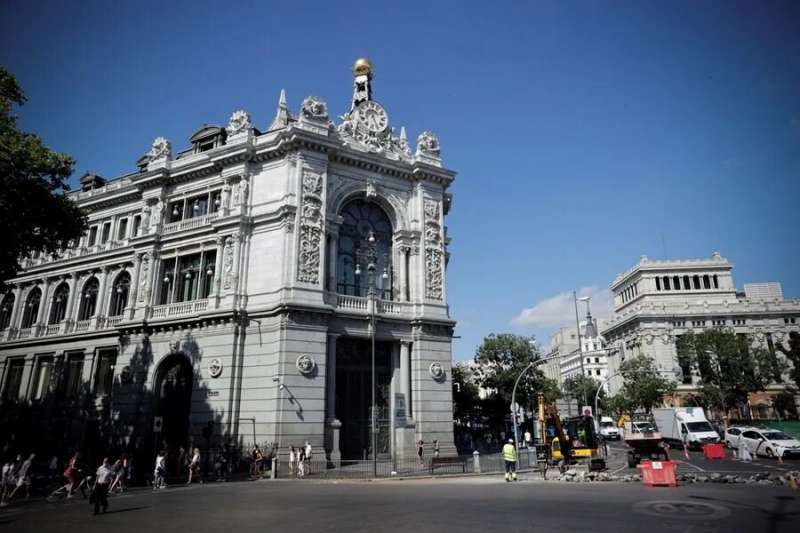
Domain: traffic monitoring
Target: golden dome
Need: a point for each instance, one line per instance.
(362, 66)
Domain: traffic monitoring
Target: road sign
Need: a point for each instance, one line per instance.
(586, 410)
(158, 422)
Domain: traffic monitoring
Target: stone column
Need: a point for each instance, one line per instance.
(333, 252)
(133, 288)
(405, 373)
(18, 303)
(44, 304)
(70, 315)
(332, 424)
(99, 308)
(217, 285)
(403, 273)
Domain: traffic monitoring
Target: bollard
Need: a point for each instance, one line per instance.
(274, 470)
(476, 461)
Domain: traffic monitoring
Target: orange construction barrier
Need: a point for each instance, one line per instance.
(658, 473)
(714, 451)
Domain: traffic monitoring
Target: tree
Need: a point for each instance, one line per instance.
(730, 367)
(617, 405)
(35, 214)
(466, 397)
(500, 360)
(643, 385)
(793, 355)
(573, 387)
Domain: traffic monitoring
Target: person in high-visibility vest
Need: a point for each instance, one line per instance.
(510, 458)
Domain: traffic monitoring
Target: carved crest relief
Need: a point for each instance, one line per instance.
(227, 264)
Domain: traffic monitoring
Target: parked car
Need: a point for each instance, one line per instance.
(731, 437)
(770, 442)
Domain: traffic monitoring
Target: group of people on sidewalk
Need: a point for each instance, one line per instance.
(15, 475)
(192, 465)
(300, 460)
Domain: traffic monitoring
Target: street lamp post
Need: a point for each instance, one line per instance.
(578, 328)
(371, 255)
(514, 396)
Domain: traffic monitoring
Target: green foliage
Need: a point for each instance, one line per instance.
(643, 385)
(729, 366)
(573, 388)
(35, 214)
(466, 399)
(616, 406)
(500, 360)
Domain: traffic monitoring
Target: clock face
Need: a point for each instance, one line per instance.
(372, 116)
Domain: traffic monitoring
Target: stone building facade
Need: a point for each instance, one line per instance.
(242, 282)
(657, 301)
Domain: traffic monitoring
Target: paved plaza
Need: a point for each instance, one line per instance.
(483, 503)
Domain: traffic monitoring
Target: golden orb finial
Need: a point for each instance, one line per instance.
(362, 67)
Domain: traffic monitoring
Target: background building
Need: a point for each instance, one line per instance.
(564, 344)
(657, 301)
(234, 289)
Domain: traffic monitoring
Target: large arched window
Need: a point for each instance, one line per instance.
(6, 308)
(59, 309)
(119, 294)
(365, 238)
(88, 299)
(31, 308)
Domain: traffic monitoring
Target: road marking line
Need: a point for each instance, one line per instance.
(690, 464)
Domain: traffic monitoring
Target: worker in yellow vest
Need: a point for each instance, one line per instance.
(510, 458)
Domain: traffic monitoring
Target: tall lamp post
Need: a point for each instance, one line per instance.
(370, 254)
(514, 396)
(578, 328)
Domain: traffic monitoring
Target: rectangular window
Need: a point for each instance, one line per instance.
(137, 222)
(658, 284)
(106, 233)
(74, 376)
(13, 379)
(676, 283)
(92, 235)
(188, 277)
(197, 206)
(176, 211)
(216, 202)
(207, 273)
(666, 283)
(41, 383)
(166, 281)
(686, 284)
(122, 229)
(107, 360)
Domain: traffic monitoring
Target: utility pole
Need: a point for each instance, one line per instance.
(580, 351)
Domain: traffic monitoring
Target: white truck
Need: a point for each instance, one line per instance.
(685, 424)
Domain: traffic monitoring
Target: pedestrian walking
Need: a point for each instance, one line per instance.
(52, 467)
(527, 438)
(194, 466)
(292, 461)
(100, 493)
(420, 453)
(23, 476)
(182, 462)
(301, 463)
(435, 448)
(258, 461)
(221, 464)
(120, 474)
(160, 471)
(510, 459)
(7, 482)
(308, 452)
(744, 451)
(74, 474)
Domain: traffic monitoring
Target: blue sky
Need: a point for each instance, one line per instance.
(584, 133)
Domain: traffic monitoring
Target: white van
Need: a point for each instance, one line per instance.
(685, 424)
(608, 430)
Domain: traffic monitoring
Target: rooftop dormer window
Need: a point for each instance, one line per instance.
(207, 138)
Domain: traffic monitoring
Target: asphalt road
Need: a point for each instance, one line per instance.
(617, 463)
(485, 503)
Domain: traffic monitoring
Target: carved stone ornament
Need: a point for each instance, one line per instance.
(161, 148)
(372, 191)
(215, 368)
(144, 275)
(126, 375)
(315, 108)
(436, 371)
(433, 251)
(305, 364)
(648, 338)
(227, 264)
(366, 128)
(310, 228)
(239, 122)
(428, 144)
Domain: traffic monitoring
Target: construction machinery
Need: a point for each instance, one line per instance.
(570, 440)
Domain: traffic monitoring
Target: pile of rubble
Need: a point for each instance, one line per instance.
(578, 476)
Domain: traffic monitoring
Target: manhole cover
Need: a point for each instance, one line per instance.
(682, 510)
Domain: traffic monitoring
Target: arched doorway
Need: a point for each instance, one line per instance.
(173, 401)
